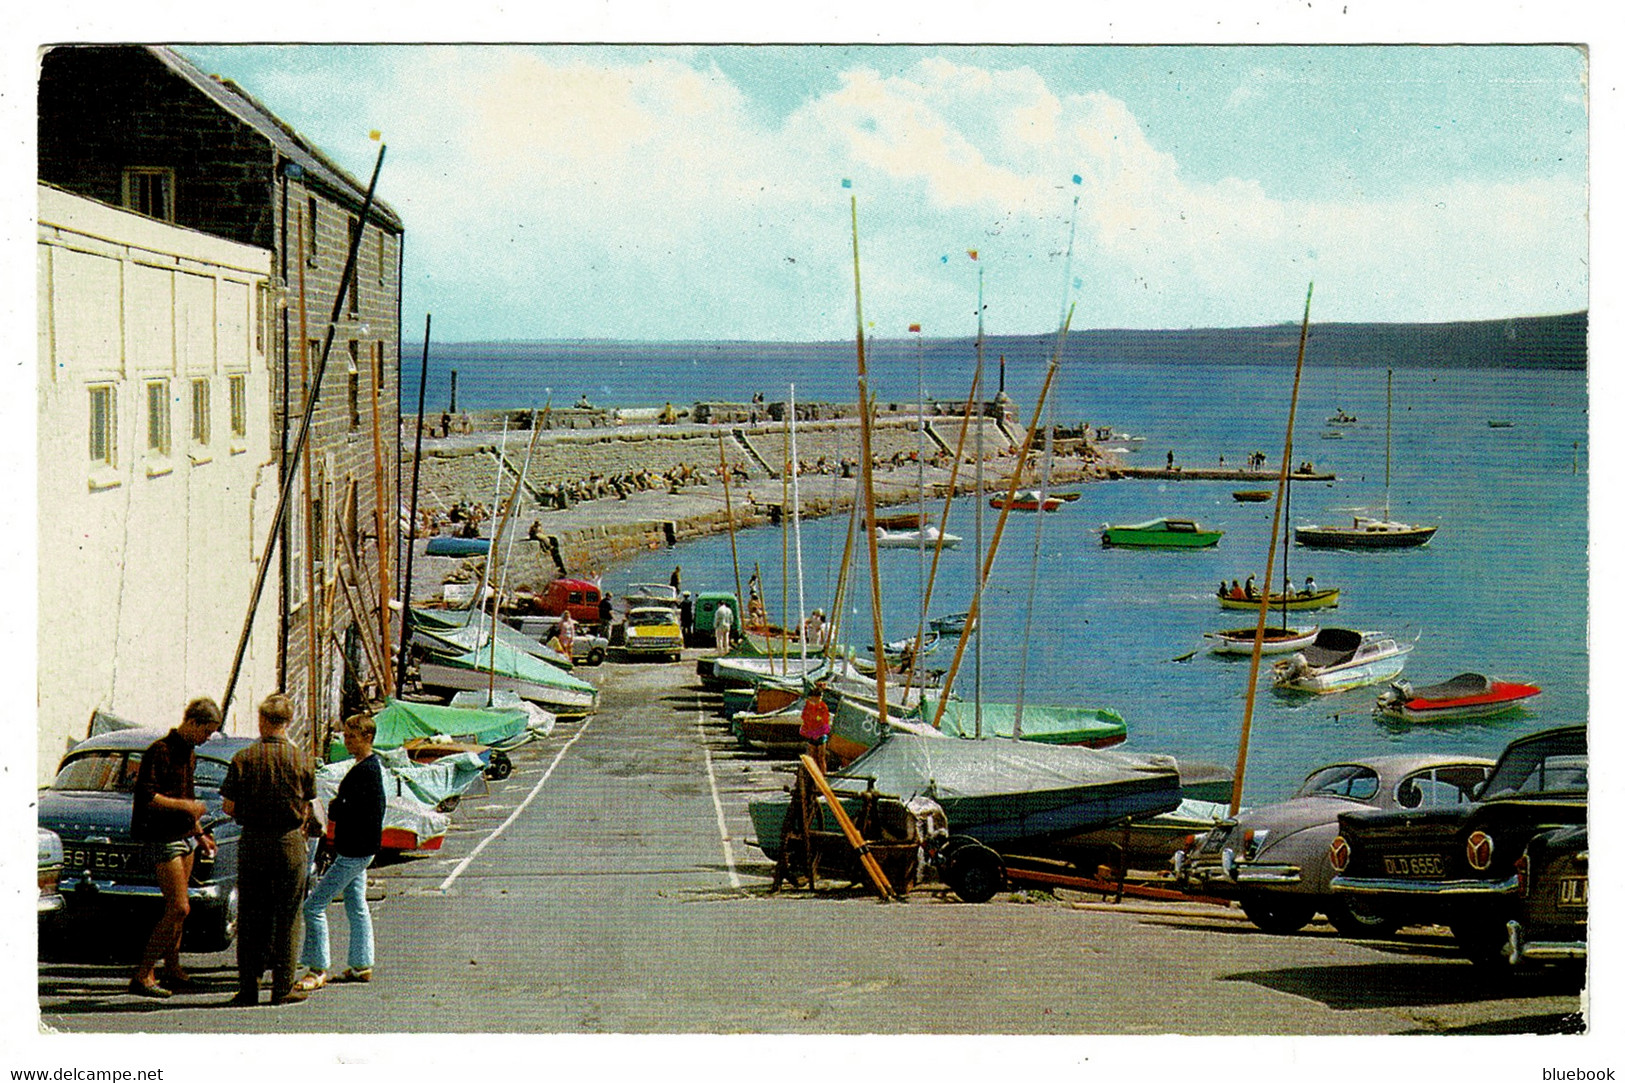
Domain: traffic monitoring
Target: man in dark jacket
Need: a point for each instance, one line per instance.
(167, 817)
(268, 789)
(357, 815)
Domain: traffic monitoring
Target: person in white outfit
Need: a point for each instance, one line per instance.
(722, 625)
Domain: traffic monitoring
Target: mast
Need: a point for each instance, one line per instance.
(412, 527)
(919, 458)
(981, 576)
(1269, 567)
(1388, 450)
(795, 491)
(733, 545)
(507, 555)
(868, 466)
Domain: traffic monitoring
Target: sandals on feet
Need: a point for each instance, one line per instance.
(311, 982)
(357, 973)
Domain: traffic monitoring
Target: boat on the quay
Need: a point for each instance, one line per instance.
(998, 791)
(1466, 695)
(1164, 533)
(505, 667)
(1340, 659)
(448, 545)
(1094, 727)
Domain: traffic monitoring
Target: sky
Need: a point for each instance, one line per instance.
(686, 192)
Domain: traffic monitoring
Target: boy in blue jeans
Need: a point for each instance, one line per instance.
(357, 815)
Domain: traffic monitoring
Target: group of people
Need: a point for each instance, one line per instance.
(1249, 591)
(270, 790)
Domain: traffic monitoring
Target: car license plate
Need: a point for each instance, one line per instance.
(95, 859)
(1414, 865)
(1571, 891)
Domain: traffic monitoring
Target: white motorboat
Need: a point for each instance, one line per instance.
(1340, 659)
(924, 538)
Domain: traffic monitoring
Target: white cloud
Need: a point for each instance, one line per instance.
(553, 194)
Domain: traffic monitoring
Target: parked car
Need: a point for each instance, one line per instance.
(1553, 887)
(1460, 866)
(705, 614)
(587, 649)
(50, 876)
(654, 630)
(646, 594)
(579, 596)
(106, 878)
(1275, 859)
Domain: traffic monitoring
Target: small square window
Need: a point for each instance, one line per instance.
(158, 417)
(239, 405)
(150, 192)
(200, 411)
(103, 426)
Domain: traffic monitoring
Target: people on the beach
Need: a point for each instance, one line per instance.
(357, 815)
(167, 818)
(722, 624)
(268, 789)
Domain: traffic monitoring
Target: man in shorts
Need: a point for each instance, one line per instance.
(168, 818)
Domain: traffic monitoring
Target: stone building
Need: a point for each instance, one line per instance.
(141, 128)
(156, 467)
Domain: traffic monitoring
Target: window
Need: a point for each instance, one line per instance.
(158, 417)
(150, 192)
(383, 266)
(238, 384)
(355, 385)
(296, 549)
(103, 426)
(354, 291)
(200, 411)
(378, 367)
(310, 228)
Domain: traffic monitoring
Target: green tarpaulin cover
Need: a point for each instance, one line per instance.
(400, 722)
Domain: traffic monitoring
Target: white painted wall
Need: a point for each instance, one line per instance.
(146, 565)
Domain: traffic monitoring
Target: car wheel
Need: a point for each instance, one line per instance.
(1279, 914)
(1484, 944)
(595, 657)
(975, 872)
(1357, 920)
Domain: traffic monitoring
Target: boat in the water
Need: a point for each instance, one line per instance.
(951, 625)
(1251, 496)
(1339, 659)
(1342, 418)
(1027, 500)
(1499, 424)
(1369, 531)
(1466, 695)
(1276, 640)
(1320, 598)
(923, 538)
(1000, 792)
(1162, 533)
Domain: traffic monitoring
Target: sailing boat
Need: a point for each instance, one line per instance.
(1281, 640)
(1368, 532)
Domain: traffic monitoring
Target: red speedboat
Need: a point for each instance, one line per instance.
(1027, 500)
(1466, 695)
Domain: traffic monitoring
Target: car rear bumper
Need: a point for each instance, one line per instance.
(1521, 949)
(88, 890)
(1423, 888)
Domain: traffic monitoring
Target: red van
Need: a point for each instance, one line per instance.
(579, 596)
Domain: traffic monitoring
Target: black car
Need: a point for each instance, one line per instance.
(1465, 866)
(106, 876)
(1552, 889)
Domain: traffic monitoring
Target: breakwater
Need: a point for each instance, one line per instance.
(594, 494)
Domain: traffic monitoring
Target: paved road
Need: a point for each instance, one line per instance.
(594, 891)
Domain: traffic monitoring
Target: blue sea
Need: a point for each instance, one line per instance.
(1502, 588)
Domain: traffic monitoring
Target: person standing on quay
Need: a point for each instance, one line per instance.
(815, 723)
(722, 626)
(268, 790)
(567, 635)
(357, 815)
(168, 818)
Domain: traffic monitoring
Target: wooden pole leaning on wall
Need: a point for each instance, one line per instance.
(314, 644)
(412, 528)
(345, 280)
(380, 490)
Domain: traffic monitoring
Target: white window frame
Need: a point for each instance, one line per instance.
(202, 411)
(160, 434)
(129, 185)
(237, 385)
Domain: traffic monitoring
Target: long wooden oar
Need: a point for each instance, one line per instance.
(850, 830)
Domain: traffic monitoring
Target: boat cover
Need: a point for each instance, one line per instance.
(1052, 725)
(400, 721)
(444, 545)
(517, 664)
(1333, 646)
(460, 631)
(1457, 687)
(409, 804)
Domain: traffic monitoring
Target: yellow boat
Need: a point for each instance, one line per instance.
(1303, 599)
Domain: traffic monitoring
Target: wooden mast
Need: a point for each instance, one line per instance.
(733, 544)
(868, 476)
(1269, 568)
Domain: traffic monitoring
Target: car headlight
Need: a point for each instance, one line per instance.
(1480, 849)
(1339, 853)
